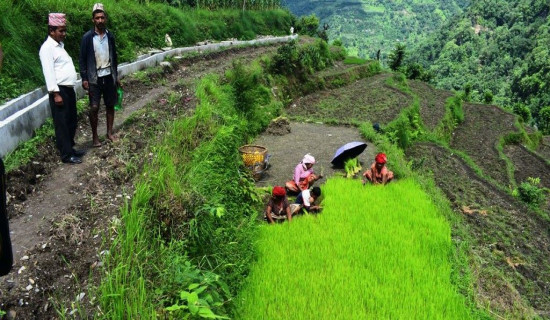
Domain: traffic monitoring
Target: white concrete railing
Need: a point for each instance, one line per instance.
(21, 116)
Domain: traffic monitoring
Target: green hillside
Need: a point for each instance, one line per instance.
(498, 47)
(365, 26)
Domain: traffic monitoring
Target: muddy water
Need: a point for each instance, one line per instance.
(320, 140)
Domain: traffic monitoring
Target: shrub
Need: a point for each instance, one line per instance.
(513, 138)
(544, 120)
(522, 111)
(530, 193)
(414, 71)
(338, 53)
(308, 25)
(301, 61)
(455, 106)
(467, 91)
(337, 43)
(286, 59)
(396, 57)
(488, 97)
(399, 78)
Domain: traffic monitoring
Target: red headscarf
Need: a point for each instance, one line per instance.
(278, 191)
(381, 158)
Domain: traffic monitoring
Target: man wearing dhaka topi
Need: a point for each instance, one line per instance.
(60, 75)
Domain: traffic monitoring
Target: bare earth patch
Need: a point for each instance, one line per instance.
(318, 139)
(478, 136)
(368, 99)
(527, 165)
(432, 102)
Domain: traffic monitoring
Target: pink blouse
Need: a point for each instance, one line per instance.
(300, 172)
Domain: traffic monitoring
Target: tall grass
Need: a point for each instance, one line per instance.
(373, 253)
(454, 115)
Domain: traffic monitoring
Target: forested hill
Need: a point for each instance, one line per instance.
(365, 26)
(501, 48)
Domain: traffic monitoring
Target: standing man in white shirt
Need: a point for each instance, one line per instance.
(98, 68)
(60, 75)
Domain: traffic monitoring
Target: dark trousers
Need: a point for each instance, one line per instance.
(64, 121)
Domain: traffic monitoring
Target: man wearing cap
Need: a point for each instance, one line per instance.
(60, 75)
(98, 69)
(378, 173)
(278, 208)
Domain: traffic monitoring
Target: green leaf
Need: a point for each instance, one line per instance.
(175, 308)
(193, 286)
(201, 289)
(207, 313)
(193, 309)
(192, 298)
(220, 212)
(184, 295)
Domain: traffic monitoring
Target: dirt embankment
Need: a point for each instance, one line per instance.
(478, 136)
(432, 103)
(544, 148)
(528, 164)
(366, 99)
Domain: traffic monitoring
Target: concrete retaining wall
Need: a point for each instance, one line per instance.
(21, 116)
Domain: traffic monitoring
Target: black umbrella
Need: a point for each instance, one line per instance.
(348, 151)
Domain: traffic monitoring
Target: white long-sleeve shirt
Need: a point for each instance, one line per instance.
(57, 65)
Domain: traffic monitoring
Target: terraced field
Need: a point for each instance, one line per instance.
(528, 164)
(478, 136)
(369, 99)
(511, 244)
(507, 242)
(432, 103)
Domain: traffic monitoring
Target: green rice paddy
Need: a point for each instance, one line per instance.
(375, 252)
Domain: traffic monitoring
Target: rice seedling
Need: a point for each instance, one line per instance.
(373, 253)
(352, 167)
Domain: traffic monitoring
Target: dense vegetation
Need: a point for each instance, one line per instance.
(137, 27)
(366, 26)
(496, 51)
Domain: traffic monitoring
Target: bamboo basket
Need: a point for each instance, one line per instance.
(255, 159)
(252, 154)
